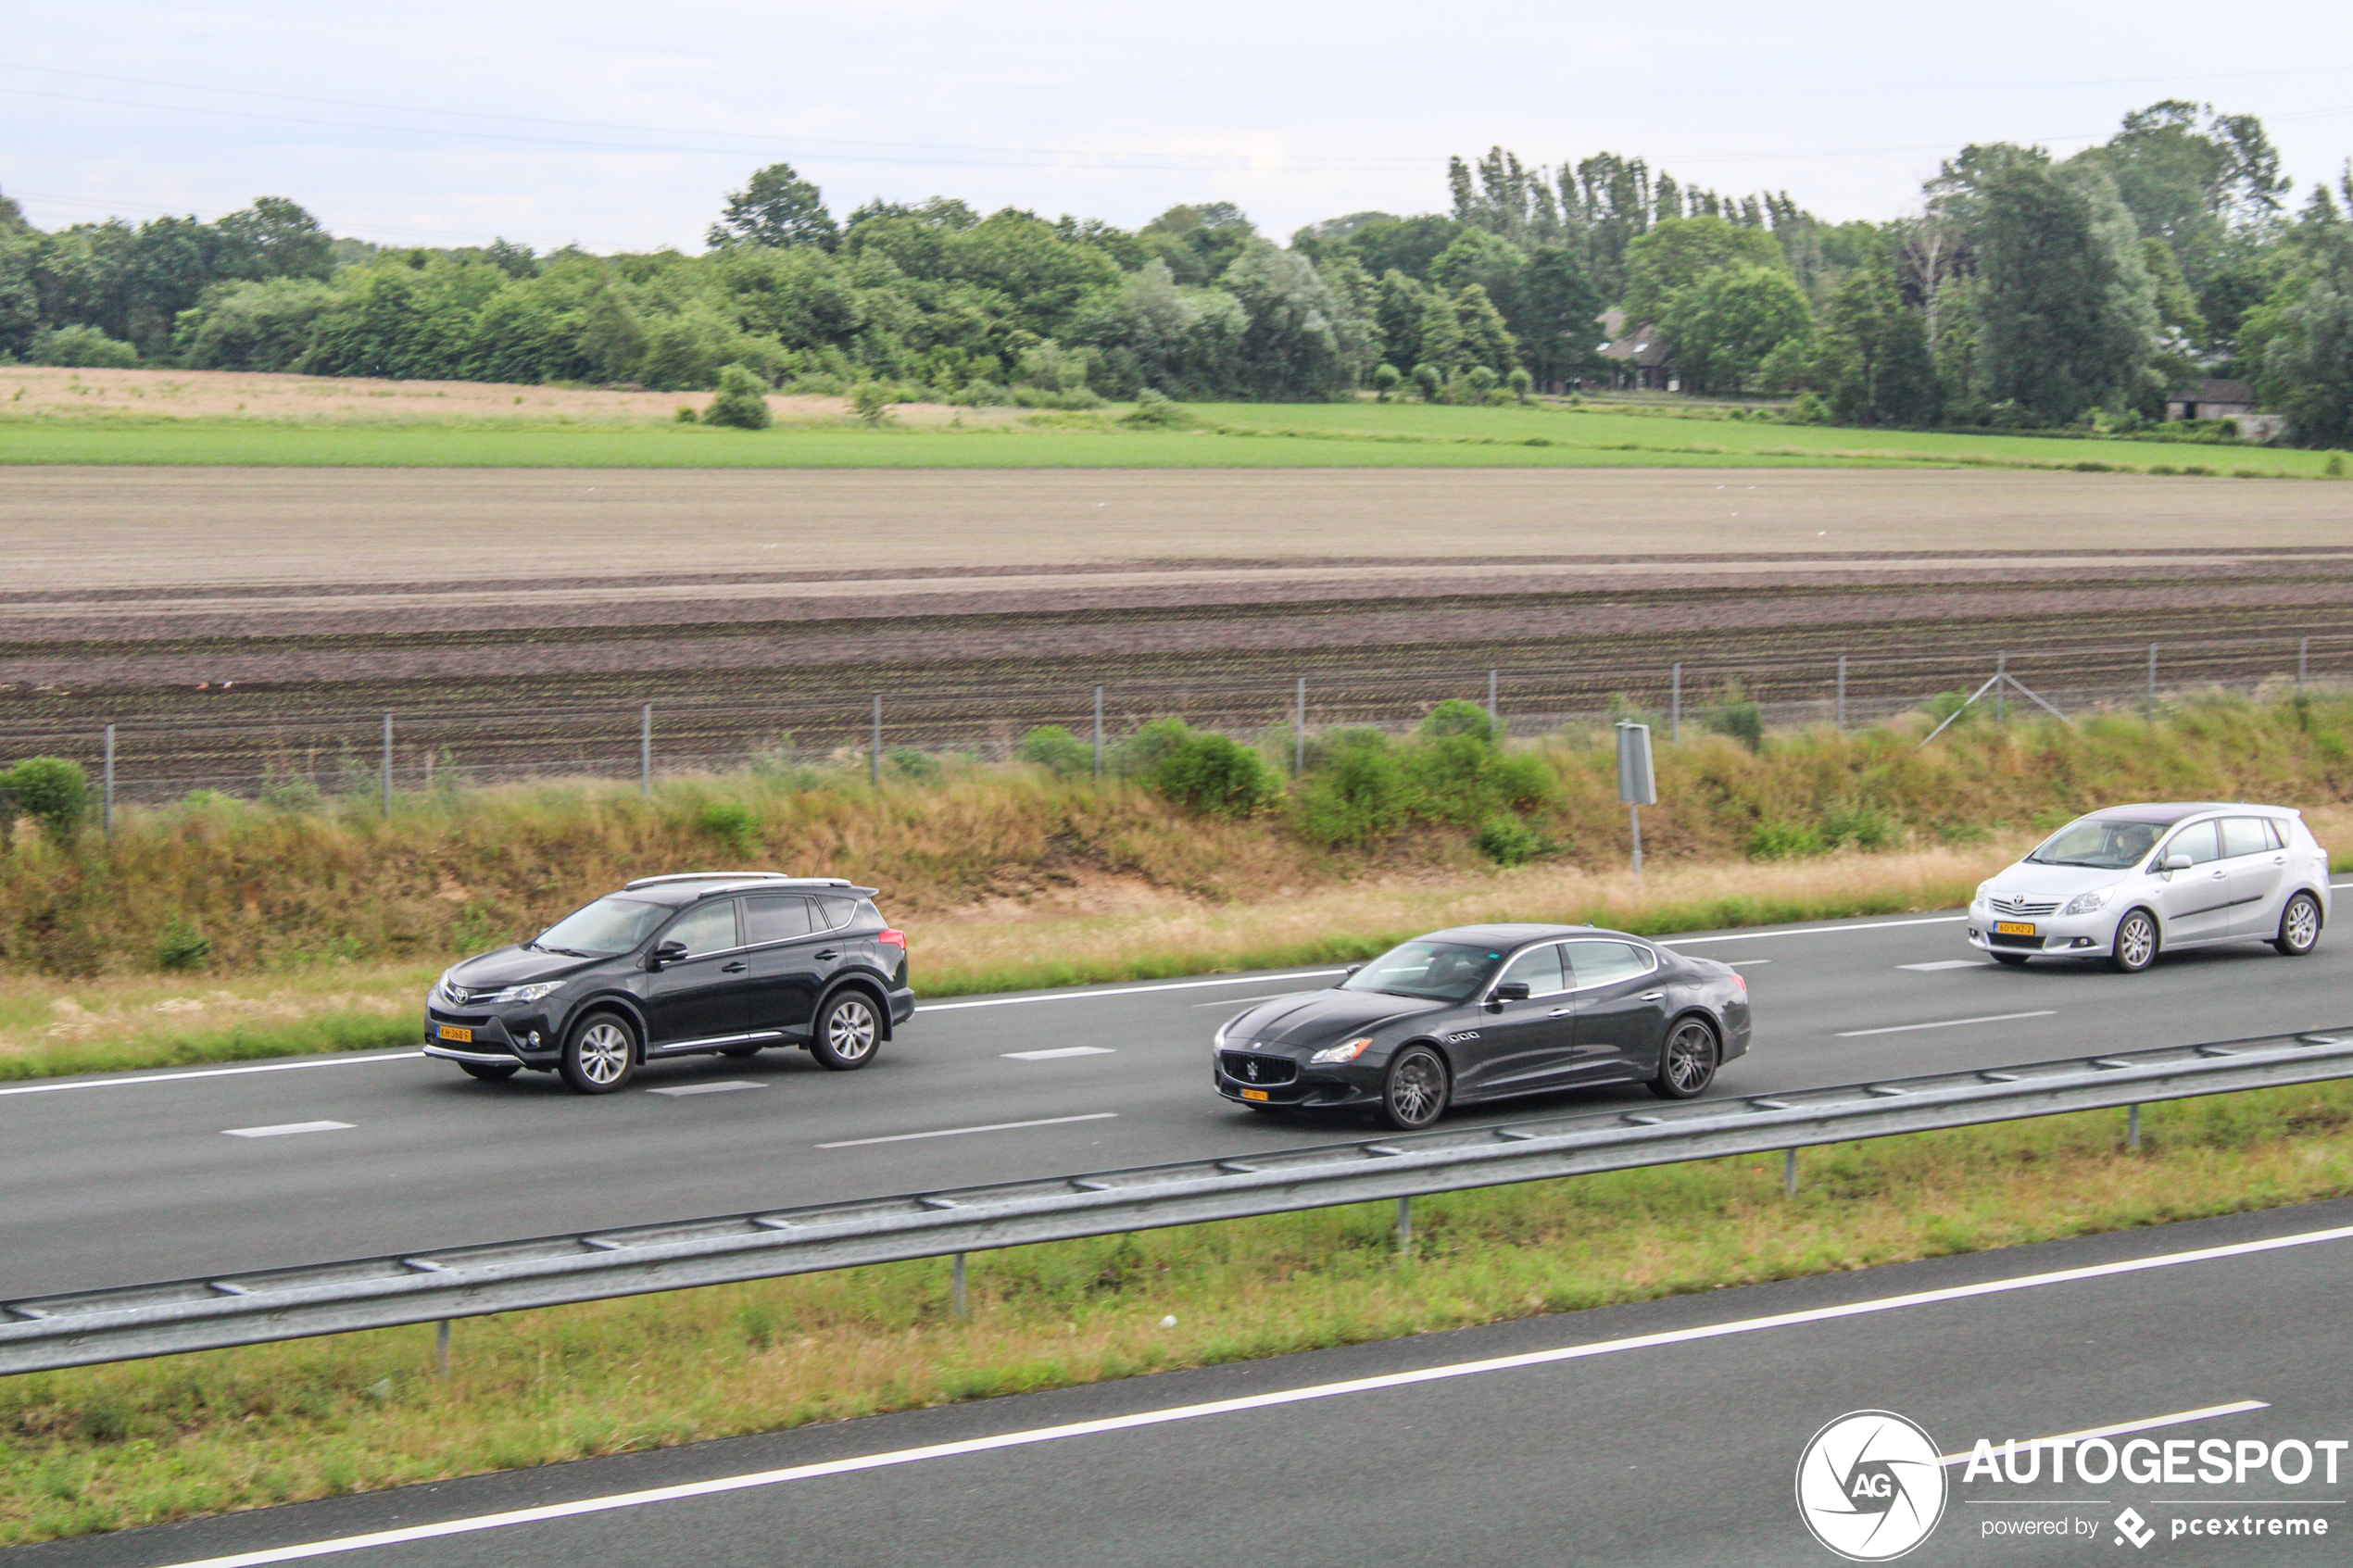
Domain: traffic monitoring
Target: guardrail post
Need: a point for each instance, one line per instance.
(1788, 1172)
(1098, 731)
(441, 1348)
(1404, 1228)
(106, 822)
(645, 752)
(2131, 1126)
(956, 1286)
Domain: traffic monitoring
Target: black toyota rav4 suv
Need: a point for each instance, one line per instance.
(711, 962)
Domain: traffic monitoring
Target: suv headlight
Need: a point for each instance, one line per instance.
(2085, 903)
(1348, 1052)
(522, 993)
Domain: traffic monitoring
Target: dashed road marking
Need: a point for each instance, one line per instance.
(1056, 1053)
(991, 1127)
(1944, 1024)
(285, 1128)
(717, 1089)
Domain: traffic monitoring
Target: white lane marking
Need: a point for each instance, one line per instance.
(1251, 1403)
(208, 1072)
(1056, 1053)
(718, 1088)
(1942, 1023)
(1945, 963)
(1124, 991)
(2206, 1413)
(959, 1132)
(1806, 931)
(1747, 963)
(1245, 1001)
(283, 1128)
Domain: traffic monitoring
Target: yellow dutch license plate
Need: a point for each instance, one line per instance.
(2013, 928)
(1254, 1094)
(451, 1032)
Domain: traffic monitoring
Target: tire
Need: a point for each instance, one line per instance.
(2299, 927)
(2012, 958)
(490, 1072)
(2137, 943)
(600, 1055)
(849, 1032)
(1687, 1061)
(1415, 1094)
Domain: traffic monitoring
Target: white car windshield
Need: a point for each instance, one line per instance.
(1438, 971)
(2105, 843)
(608, 927)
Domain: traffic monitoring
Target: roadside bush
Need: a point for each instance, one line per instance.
(1455, 717)
(871, 403)
(81, 347)
(916, 767)
(1740, 718)
(1507, 841)
(285, 790)
(1864, 826)
(53, 791)
(730, 824)
(1775, 840)
(183, 946)
(1215, 777)
(741, 402)
(1153, 411)
(1357, 795)
(1056, 751)
(1146, 745)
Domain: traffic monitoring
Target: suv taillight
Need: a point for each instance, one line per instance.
(891, 938)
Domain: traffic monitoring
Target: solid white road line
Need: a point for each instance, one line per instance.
(1253, 1402)
(1806, 931)
(718, 1088)
(1124, 991)
(2207, 1412)
(1245, 1001)
(959, 1132)
(283, 1128)
(1747, 963)
(209, 1072)
(1942, 1023)
(1056, 1053)
(1945, 963)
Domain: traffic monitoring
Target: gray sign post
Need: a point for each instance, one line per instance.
(1637, 785)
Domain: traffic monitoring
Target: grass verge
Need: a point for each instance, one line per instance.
(106, 1447)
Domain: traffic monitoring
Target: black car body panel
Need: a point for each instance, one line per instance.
(763, 956)
(1563, 1035)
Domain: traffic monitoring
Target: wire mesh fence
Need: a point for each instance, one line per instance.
(264, 743)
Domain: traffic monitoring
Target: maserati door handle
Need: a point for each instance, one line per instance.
(731, 969)
(1560, 1012)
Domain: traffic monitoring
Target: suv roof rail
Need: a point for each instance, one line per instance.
(739, 876)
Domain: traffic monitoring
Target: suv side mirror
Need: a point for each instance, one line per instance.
(1510, 991)
(668, 953)
(2178, 862)
(1353, 968)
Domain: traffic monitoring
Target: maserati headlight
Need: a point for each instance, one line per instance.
(522, 993)
(1348, 1052)
(2085, 903)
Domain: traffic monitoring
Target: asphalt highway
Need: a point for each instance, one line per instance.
(135, 1177)
(1665, 1435)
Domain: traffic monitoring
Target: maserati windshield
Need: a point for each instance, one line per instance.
(1436, 972)
(2105, 843)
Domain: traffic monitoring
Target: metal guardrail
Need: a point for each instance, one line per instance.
(152, 1320)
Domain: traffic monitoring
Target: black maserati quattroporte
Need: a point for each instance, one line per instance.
(1484, 1012)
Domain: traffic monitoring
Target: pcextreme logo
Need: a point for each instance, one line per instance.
(1871, 1486)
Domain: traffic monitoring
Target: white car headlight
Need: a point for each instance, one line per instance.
(1348, 1052)
(525, 993)
(2085, 903)
(1982, 888)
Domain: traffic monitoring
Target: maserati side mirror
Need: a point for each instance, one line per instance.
(1512, 991)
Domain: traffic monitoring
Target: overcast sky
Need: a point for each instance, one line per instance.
(622, 126)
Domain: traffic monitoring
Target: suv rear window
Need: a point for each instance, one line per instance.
(774, 918)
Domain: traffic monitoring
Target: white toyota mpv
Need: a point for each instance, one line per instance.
(2130, 881)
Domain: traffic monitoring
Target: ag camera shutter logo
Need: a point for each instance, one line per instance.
(1871, 1486)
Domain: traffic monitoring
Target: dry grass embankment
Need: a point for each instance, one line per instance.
(316, 929)
(109, 1448)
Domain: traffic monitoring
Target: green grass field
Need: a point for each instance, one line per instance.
(1242, 435)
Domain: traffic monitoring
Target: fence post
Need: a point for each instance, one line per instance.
(1098, 731)
(106, 817)
(1674, 707)
(387, 768)
(956, 1285)
(1299, 730)
(2152, 697)
(1491, 702)
(1841, 694)
(2001, 689)
(874, 752)
(645, 752)
(2303, 658)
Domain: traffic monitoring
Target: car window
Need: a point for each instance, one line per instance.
(607, 927)
(1598, 963)
(707, 928)
(2245, 835)
(2279, 839)
(2199, 841)
(1439, 972)
(773, 919)
(1540, 967)
(2108, 843)
(835, 913)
